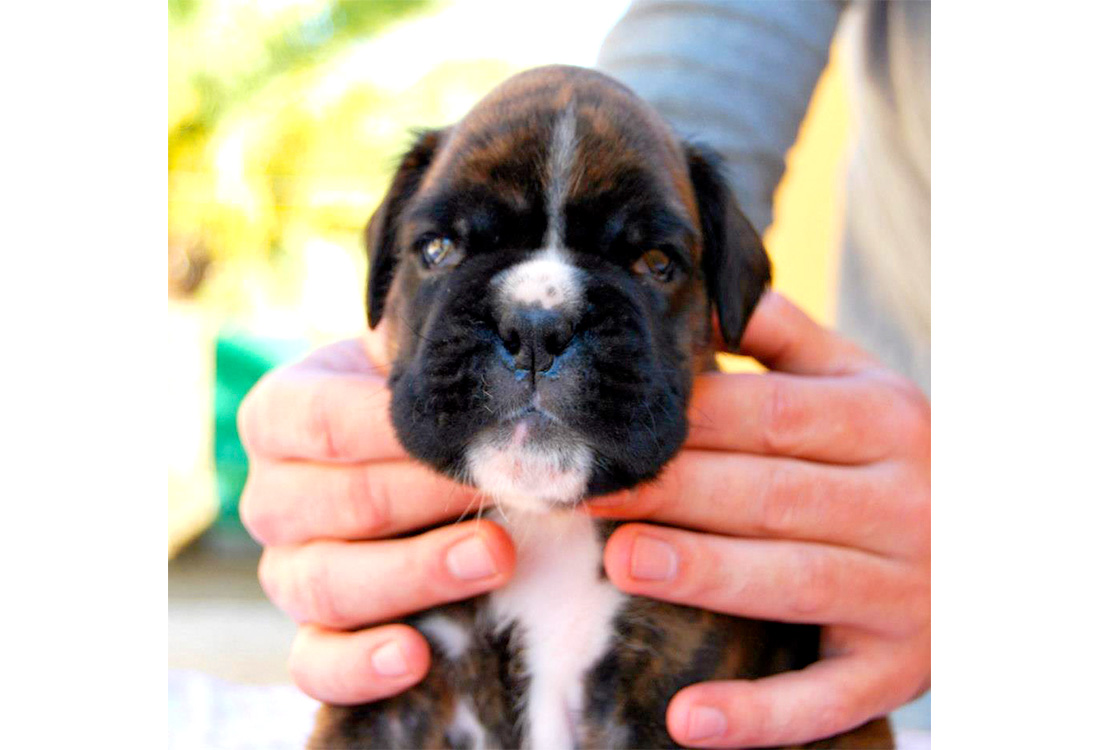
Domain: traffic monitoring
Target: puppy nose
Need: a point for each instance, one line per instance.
(535, 336)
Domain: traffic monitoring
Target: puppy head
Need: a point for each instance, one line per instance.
(548, 267)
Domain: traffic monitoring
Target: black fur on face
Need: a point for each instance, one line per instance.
(548, 267)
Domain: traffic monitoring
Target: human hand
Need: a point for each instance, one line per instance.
(328, 481)
(803, 495)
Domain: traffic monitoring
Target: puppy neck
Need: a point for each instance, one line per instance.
(565, 611)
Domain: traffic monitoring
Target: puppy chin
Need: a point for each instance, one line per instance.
(530, 466)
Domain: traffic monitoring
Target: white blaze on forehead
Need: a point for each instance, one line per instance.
(559, 178)
(548, 280)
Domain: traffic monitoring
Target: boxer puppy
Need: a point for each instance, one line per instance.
(550, 266)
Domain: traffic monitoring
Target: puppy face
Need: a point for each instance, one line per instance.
(548, 267)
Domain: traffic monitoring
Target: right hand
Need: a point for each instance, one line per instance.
(328, 483)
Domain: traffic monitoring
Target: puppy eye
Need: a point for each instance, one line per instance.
(438, 251)
(656, 264)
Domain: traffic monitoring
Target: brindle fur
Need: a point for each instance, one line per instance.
(490, 675)
(496, 155)
(660, 649)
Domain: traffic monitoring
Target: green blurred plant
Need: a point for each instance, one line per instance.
(239, 142)
(279, 134)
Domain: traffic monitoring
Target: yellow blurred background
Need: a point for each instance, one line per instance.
(803, 241)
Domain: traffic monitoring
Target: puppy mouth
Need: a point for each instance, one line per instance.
(531, 460)
(534, 416)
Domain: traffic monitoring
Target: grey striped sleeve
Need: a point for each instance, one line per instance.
(735, 74)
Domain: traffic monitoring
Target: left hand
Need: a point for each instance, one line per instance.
(803, 495)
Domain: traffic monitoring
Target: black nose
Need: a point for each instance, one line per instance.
(534, 336)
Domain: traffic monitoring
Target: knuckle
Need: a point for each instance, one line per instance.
(299, 668)
(923, 532)
(912, 415)
(267, 573)
(815, 582)
(914, 603)
(783, 418)
(302, 667)
(320, 425)
(425, 581)
(922, 608)
(918, 513)
(781, 501)
(313, 592)
(341, 677)
(368, 504)
(910, 497)
(836, 712)
(256, 516)
(699, 572)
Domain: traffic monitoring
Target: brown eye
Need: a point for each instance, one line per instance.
(438, 250)
(655, 263)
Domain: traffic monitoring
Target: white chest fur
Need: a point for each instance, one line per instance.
(565, 615)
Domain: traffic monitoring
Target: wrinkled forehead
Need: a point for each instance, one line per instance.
(570, 147)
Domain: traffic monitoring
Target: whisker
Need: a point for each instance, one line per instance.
(413, 331)
(500, 509)
(469, 505)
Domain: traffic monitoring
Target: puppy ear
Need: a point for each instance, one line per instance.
(382, 229)
(737, 268)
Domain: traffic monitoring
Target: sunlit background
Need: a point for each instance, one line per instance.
(285, 120)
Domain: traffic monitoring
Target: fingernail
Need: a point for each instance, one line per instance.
(652, 559)
(705, 722)
(469, 560)
(389, 660)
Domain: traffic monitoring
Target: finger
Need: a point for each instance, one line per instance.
(349, 668)
(782, 337)
(822, 700)
(774, 498)
(298, 412)
(291, 502)
(850, 420)
(350, 356)
(346, 585)
(763, 579)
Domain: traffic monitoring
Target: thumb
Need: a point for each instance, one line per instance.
(782, 337)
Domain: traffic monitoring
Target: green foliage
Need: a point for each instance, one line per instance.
(181, 11)
(280, 135)
(282, 48)
(238, 72)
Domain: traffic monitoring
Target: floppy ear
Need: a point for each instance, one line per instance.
(382, 229)
(737, 268)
